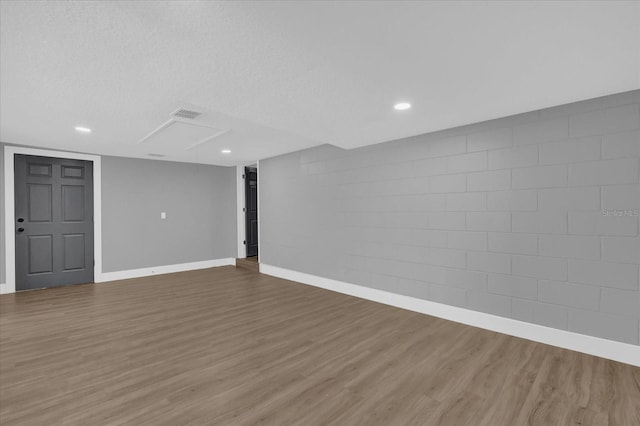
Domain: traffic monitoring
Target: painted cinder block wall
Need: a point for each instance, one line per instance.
(532, 217)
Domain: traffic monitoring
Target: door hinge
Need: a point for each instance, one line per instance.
(244, 209)
(243, 177)
(244, 242)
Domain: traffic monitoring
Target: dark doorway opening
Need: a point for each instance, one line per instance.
(53, 222)
(251, 210)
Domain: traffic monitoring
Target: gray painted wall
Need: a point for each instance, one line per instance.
(200, 202)
(507, 217)
(2, 269)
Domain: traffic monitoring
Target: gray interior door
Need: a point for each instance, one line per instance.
(53, 222)
(251, 210)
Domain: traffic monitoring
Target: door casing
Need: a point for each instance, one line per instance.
(9, 193)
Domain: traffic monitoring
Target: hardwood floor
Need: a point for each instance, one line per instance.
(233, 347)
(250, 263)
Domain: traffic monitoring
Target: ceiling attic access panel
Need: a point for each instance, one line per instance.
(177, 136)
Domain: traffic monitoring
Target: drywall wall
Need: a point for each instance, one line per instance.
(199, 200)
(2, 224)
(200, 206)
(532, 217)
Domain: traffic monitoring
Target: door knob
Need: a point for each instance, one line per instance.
(20, 220)
(20, 229)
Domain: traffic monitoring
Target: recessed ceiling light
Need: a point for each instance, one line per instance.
(401, 106)
(226, 151)
(83, 129)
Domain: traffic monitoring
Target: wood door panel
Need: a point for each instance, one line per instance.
(253, 199)
(73, 203)
(73, 255)
(35, 169)
(40, 202)
(73, 172)
(40, 254)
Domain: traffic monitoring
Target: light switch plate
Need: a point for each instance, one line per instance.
(163, 215)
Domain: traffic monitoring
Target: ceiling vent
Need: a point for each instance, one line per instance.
(186, 113)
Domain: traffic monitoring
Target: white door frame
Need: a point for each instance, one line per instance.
(242, 250)
(9, 207)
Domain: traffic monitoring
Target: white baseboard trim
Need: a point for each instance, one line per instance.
(4, 289)
(617, 351)
(165, 269)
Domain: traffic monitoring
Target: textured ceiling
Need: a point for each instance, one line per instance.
(284, 76)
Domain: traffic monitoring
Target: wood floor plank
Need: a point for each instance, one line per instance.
(230, 346)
